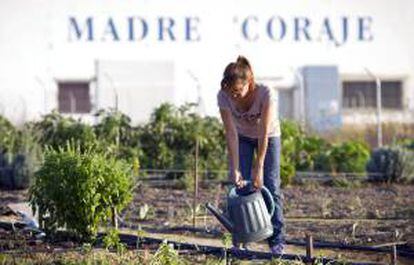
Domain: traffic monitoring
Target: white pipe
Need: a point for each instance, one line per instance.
(379, 105)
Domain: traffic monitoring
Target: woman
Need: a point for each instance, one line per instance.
(251, 123)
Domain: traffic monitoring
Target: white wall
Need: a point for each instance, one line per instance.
(37, 48)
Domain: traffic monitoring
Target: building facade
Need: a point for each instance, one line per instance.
(325, 58)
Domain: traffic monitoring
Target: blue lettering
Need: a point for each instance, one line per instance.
(73, 25)
(168, 29)
(245, 27)
(326, 29)
(110, 29)
(131, 29)
(344, 32)
(189, 28)
(301, 28)
(364, 29)
(282, 26)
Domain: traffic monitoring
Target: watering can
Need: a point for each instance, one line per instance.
(247, 217)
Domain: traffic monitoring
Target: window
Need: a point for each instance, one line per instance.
(363, 94)
(73, 97)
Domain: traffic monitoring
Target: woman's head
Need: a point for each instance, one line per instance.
(238, 78)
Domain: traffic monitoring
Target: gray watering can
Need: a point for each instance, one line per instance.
(247, 217)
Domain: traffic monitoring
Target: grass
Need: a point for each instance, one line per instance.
(164, 256)
(391, 132)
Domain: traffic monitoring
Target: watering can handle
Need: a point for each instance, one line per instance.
(266, 193)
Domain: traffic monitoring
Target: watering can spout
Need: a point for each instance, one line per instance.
(222, 218)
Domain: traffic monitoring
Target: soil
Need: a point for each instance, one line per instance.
(366, 215)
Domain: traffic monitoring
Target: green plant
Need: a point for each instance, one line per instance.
(325, 207)
(392, 164)
(55, 130)
(7, 135)
(284, 262)
(227, 239)
(86, 248)
(19, 157)
(111, 241)
(350, 156)
(343, 182)
(77, 189)
(308, 148)
(140, 235)
(145, 212)
(190, 211)
(169, 140)
(187, 181)
(117, 136)
(290, 132)
(287, 171)
(27, 157)
(166, 254)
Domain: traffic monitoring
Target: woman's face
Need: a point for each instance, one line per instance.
(240, 89)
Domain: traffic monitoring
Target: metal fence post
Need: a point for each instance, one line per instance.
(393, 254)
(195, 183)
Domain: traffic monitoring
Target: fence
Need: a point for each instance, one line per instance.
(162, 195)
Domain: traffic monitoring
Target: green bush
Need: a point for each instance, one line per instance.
(349, 156)
(392, 163)
(287, 172)
(290, 133)
(55, 130)
(19, 156)
(7, 135)
(406, 143)
(308, 149)
(116, 135)
(77, 189)
(169, 139)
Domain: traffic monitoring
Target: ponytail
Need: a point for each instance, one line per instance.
(241, 60)
(241, 69)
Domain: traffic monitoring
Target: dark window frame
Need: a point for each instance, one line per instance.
(361, 94)
(74, 96)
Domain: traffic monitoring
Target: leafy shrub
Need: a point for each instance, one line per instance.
(55, 130)
(406, 143)
(116, 135)
(19, 157)
(349, 156)
(169, 139)
(27, 157)
(7, 135)
(308, 149)
(394, 164)
(287, 172)
(77, 189)
(290, 132)
(112, 241)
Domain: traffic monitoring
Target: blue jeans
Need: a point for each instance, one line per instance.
(271, 177)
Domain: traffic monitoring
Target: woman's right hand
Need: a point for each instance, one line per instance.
(237, 179)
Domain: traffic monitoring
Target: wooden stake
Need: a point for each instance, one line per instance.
(309, 248)
(114, 218)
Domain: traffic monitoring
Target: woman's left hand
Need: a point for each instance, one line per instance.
(258, 176)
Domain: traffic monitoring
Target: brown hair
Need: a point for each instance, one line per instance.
(241, 69)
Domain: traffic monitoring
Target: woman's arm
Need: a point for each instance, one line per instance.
(232, 145)
(265, 122)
